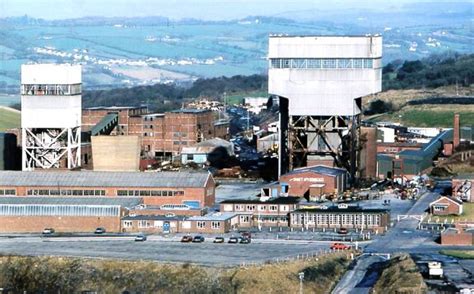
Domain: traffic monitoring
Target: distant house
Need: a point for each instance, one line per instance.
(446, 206)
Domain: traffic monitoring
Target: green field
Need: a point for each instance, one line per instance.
(9, 119)
(463, 254)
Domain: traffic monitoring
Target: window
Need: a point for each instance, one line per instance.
(273, 207)
(250, 207)
(439, 207)
(305, 63)
(127, 224)
(245, 218)
(143, 224)
(262, 207)
(215, 225)
(239, 207)
(201, 225)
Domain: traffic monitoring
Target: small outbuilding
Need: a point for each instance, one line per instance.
(446, 206)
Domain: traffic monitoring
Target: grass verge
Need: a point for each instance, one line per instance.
(9, 119)
(462, 254)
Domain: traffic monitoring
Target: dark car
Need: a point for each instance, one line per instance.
(99, 230)
(140, 238)
(186, 239)
(198, 239)
(245, 240)
(233, 240)
(219, 240)
(246, 234)
(342, 231)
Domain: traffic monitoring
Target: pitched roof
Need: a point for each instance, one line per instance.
(450, 199)
(127, 202)
(335, 208)
(278, 200)
(219, 216)
(320, 169)
(103, 179)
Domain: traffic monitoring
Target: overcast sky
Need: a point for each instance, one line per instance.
(200, 9)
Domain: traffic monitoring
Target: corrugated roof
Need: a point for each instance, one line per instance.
(220, 216)
(349, 209)
(190, 110)
(278, 200)
(320, 169)
(103, 179)
(154, 217)
(127, 202)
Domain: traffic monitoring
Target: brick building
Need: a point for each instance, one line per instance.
(216, 223)
(63, 214)
(193, 189)
(446, 206)
(315, 181)
(340, 216)
(255, 213)
(162, 135)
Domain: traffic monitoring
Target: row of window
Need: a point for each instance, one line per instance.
(149, 193)
(304, 63)
(7, 192)
(253, 207)
(337, 219)
(214, 225)
(52, 90)
(58, 210)
(65, 192)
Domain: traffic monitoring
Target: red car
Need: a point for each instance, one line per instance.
(340, 246)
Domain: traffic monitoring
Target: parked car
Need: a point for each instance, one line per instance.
(198, 239)
(186, 239)
(342, 231)
(218, 240)
(246, 234)
(140, 238)
(48, 231)
(340, 246)
(99, 230)
(233, 240)
(245, 240)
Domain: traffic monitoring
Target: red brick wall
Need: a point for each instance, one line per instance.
(451, 209)
(36, 224)
(299, 183)
(462, 239)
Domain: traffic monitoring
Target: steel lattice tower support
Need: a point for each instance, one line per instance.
(51, 116)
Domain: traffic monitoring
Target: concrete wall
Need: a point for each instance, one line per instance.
(116, 153)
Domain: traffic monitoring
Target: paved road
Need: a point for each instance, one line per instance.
(402, 237)
(157, 249)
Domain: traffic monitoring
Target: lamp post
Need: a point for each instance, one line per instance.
(301, 277)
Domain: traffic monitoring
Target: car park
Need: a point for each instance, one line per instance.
(218, 240)
(99, 230)
(340, 246)
(198, 239)
(140, 238)
(48, 231)
(186, 239)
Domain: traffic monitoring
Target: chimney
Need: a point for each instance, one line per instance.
(456, 133)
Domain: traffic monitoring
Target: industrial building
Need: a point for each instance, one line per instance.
(320, 82)
(191, 189)
(463, 187)
(63, 214)
(409, 163)
(341, 216)
(314, 182)
(212, 151)
(51, 116)
(162, 135)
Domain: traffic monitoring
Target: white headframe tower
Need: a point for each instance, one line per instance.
(320, 81)
(51, 104)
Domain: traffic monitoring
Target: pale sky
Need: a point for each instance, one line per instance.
(176, 9)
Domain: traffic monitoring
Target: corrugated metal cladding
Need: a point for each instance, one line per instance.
(103, 179)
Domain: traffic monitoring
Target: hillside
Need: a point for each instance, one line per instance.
(73, 275)
(9, 118)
